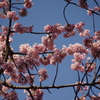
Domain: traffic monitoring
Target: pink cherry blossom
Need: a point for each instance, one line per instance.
(83, 4)
(24, 48)
(55, 29)
(90, 66)
(43, 74)
(21, 66)
(3, 4)
(78, 56)
(12, 15)
(45, 61)
(89, 11)
(95, 49)
(75, 66)
(97, 9)
(57, 56)
(17, 27)
(5, 31)
(39, 47)
(72, 33)
(33, 53)
(28, 4)
(32, 60)
(76, 48)
(97, 35)
(79, 26)
(30, 78)
(95, 97)
(85, 33)
(48, 42)
(36, 93)
(69, 28)
(88, 42)
(12, 95)
(9, 68)
(3, 16)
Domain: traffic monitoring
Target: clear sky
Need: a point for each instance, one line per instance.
(51, 12)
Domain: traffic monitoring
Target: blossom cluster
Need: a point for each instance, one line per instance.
(18, 67)
(90, 10)
(21, 29)
(36, 93)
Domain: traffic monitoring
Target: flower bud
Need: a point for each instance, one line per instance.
(23, 12)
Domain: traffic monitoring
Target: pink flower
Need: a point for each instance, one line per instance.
(17, 27)
(90, 66)
(20, 29)
(72, 33)
(45, 61)
(3, 4)
(43, 74)
(85, 33)
(57, 28)
(76, 48)
(57, 56)
(48, 42)
(95, 49)
(97, 9)
(33, 53)
(75, 66)
(95, 97)
(79, 26)
(69, 28)
(97, 35)
(3, 16)
(12, 95)
(12, 15)
(39, 47)
(78, 56)
(24, 48)
(4, 29)
(9, 68)
(88, 42)
(37, 94)
(89, 11)
(83, 4)
(30, 78)
(70, 51)
(32, 60)
(28, 4)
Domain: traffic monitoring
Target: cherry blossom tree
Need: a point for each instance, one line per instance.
(17, 68)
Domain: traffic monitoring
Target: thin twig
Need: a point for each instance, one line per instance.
(55, 75)
(64, 12)
(30, 94)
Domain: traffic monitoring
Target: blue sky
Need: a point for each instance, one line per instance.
(51, 12)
